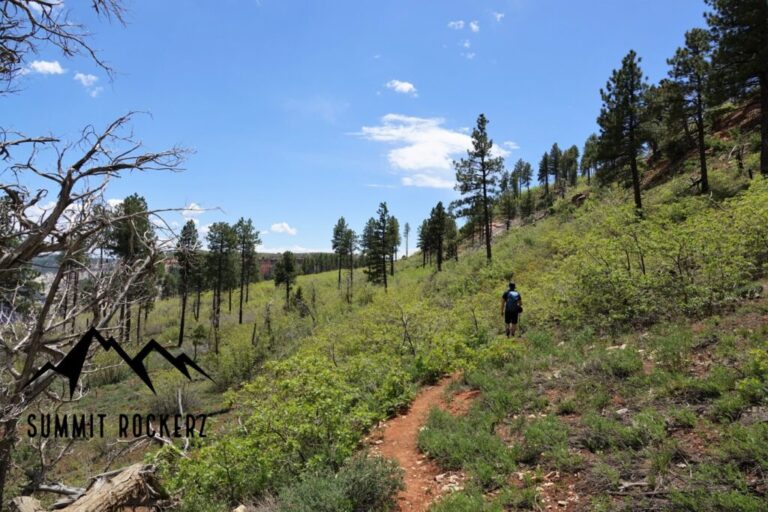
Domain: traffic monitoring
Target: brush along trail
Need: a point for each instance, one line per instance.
(398, 439)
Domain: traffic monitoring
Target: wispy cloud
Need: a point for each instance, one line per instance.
(498, 16)
(469, 55)
(424, 148)
(44, 67)
(456, 25)
(474, 26)
(191, 211)
(402, 87)
(283, 227)
(87, 80)
(466, 43)
(510, 145)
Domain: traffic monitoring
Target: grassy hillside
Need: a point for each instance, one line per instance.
(638, 381)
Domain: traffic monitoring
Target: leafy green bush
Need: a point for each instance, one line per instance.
(363, 484)
(466, 443)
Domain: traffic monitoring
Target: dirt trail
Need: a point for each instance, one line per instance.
(397, 439)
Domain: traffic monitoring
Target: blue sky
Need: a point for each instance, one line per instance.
(300, 112)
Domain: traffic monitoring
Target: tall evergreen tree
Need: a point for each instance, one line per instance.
(740, 30)
(570, 165)
(691, 70)
(377, 246)
(393, 241)
(437, 227)
(247, 240)
(554, 161)
(406, 234)
(451, 238)
(589, 157)
(129, 237)
(337, 243)
(619, 120)
(477, 176)
(285, 274)
(222, 241)
(543, 175)
(187, 257)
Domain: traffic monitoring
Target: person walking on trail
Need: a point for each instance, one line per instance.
(511, 307)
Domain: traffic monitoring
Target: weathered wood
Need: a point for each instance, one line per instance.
(133, 486)
(26, 504)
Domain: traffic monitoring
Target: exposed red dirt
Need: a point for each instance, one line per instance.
(397, 439)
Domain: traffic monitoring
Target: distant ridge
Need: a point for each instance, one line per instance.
(71, 366)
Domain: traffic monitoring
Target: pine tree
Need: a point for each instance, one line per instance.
(337, 243)
(437, 227)
(570, 165)
(691, 69)
(187, 257)
(543, 175)
(247, 240)
(740, 30)
(451, 238)
(554, 161)
(221, 240)
(619, 120)
(285, 274)
(589, 156)
(406, 234)
(377, 246)
(393, 241)
(129, 237)
(477, 176)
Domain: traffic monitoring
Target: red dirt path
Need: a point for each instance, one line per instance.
(397, 439)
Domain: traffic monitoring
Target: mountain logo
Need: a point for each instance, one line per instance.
(71, 366)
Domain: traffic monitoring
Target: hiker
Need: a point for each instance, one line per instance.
(511, 307)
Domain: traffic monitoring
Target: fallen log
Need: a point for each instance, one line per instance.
(132, 487)
(26, 504)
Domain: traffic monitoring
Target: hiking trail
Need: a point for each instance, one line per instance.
(397, 439)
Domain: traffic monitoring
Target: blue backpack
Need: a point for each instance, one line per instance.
(512, 298)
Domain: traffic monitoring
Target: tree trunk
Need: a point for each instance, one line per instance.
(339, 285)
(487, 218)
(635, 173)
(6, 448)
(183, 316)
(242, 287)
(128, 323)
(138, 325)
(702, 147)
(764, 123)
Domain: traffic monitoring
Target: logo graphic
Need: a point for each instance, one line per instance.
(71, 366)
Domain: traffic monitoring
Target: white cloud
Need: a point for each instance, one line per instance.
(474, 26)
(498, 15)
(402, 87)
(466, 43)
(44, 67)
(292, 248)
(95, 91)
(469, 55)
(424, 148)
(191, 211)
(114, 203)
(86, 80)
(456, 25)
(283, 227)
(511, 145)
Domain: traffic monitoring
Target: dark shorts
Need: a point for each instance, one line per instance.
(510, 317)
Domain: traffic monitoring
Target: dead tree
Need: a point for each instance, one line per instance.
(71, 225)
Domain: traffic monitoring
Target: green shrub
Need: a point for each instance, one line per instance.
(620, 363)
(540, 435)
(363, 484)
(466, 442)
(746, 446)
(728, 408)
